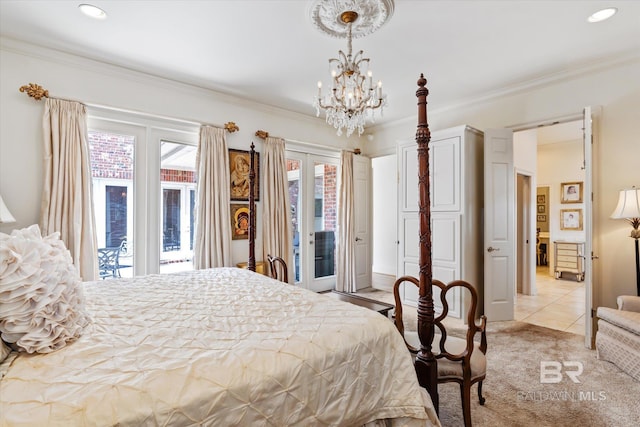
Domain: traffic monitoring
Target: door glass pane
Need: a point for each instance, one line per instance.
(170, 220)
(325, 218)
(116, 215)
(293, 175)
(178, 183)
(112, 179)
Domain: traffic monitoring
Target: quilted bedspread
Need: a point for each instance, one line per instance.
(218, 347)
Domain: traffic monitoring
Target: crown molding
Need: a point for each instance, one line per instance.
(591, 67)
(57, 56)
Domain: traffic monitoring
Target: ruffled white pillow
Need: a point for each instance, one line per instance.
(41, 299)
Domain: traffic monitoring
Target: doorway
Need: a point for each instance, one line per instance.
(557, 303)
(524, 238)
(313, 184)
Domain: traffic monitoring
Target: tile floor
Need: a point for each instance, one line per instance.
(558, 305)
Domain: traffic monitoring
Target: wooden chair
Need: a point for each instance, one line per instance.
(273, 261)
(459, 360)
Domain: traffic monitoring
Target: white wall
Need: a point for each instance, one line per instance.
(613, 86)
(558, 163)
(91, 82)
(385, 213)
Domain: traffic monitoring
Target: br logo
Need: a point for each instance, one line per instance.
(551, 371)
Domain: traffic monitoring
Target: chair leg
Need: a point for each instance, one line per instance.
(465, 395)
(480, 398)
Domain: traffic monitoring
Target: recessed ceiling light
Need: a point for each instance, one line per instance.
(92, 11)
(603, 14)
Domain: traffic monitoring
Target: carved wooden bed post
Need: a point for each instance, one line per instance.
(252, 211)
(426, 363)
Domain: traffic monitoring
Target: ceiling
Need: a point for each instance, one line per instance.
(269, 52)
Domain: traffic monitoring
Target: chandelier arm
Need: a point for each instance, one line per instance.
(353, 97)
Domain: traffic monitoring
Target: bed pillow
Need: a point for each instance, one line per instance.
(41, 299)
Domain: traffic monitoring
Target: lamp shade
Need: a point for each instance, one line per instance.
(5, 215)
(628, 204)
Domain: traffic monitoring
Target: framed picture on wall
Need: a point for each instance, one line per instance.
(571, 219)
(571, 192)
(239, 179)
(541, 208)
(239, 221)
(542, 218)
(541, 199)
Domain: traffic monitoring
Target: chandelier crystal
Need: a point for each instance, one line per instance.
(353, 97)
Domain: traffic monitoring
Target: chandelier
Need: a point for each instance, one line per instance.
(353, 97)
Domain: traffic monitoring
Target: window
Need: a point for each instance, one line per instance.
(143, 174)
(178, 183)
(112, 160)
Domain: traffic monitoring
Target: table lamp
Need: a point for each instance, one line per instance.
(629, 208)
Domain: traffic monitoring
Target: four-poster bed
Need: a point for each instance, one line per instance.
(426, 363)
(219, 346)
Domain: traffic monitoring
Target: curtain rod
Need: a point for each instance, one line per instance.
(37, 92)
(264, 135)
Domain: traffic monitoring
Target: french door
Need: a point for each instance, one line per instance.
(313, 185)
(144, 185)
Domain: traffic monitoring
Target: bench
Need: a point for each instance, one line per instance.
(380, 307)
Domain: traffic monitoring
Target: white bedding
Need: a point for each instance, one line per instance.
(218, 347)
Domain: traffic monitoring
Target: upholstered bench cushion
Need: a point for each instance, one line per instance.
(453, 345)
(619, 346)
(628, 320)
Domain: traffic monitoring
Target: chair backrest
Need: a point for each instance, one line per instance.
(273, 267)
(108, 261)
(472, 327)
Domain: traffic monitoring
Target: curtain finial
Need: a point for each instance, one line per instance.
(35, 91)
(231, 127)
(262, 134)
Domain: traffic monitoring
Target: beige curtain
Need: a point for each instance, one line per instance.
(67, 203)
(346, 277)
(212, 237)
(276, 209)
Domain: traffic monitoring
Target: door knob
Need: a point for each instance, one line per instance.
(358, 239)
(491, 249)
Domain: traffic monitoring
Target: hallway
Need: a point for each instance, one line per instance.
(558, 305)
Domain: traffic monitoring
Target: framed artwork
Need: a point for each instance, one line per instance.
(239, 175)
(541, 199)
(541, 209)
(571, 192)
(571, 219)
(542, 218)
(239, 221)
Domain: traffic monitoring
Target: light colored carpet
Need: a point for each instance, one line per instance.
(515, 394)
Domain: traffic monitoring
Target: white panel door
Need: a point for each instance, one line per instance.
(362, 202)
(499, 225)
(588, 225)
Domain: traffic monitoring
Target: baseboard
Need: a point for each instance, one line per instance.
(383, 282)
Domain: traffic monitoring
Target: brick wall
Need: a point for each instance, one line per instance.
(330, 196)
(173, 175)
(112, 157)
